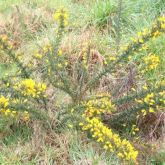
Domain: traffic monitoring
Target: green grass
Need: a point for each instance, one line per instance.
(6, 6)
(87, 153)
(102, 12)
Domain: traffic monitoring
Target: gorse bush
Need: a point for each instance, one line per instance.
(22, 95)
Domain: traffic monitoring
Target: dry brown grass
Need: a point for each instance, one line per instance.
(44, 147)
(24, 22)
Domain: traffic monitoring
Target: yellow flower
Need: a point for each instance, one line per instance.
(120, 155)
(151, 61)
(7, 84)
(99, 106)
(7, 112)
(59, 65)
(81, 124)
(13, 113)
(151, 110)
(149, 99)
(29, 87)
(156, 34)
(60, 52)
(37, 55)
(144, 112)
(61, 16)
(4, 38)
(110, 140)
(70, 125)
(4, 102)
(112, 58)
(145, 87)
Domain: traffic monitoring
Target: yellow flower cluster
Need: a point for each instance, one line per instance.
(4, 42)
(8, 113)
(162, 96)
(29, 87)
(4, 102)
(104, 135)
(162, 22)
(110, 140)
(57, 61)
(47, 48)
(24, 116)
(61, 16)
(61, 60)
(150, 101)
(5, 111)
(151, 62)
(4, 38)
(40, 54)
(7, 47)
(109, 59)
(139, 39)
(97, 107)
(134, 129)
(142, 37)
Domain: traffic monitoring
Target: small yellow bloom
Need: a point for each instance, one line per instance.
(144, 112)
(61, 16)
(81, 124)
(151, 110)
(4, 102)
(60, 52)
(70, 125)
(37, 55)
(59, 65)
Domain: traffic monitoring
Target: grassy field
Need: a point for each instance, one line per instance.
(108, 25)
